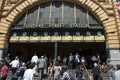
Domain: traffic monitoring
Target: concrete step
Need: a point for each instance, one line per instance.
(105, 76)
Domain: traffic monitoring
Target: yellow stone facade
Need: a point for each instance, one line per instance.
(104, 10)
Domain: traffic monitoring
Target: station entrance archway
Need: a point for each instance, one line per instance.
(64, 49)
(57, 28)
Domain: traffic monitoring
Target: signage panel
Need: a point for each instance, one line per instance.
(14, 38)
(55, 38)
(29, 25)
(23, 38)
(66, 38)
(88, 38)
(99, 37)
(34, 39)
(77, 38)
(45, 38)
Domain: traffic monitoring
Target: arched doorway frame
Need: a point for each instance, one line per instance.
(47, 1)
(98, 11)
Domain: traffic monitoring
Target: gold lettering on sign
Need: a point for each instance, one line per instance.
(23, 38)
(67, 38)
(30, 25)
(77, 38)
(89, 38)
(100, 37)
(55, 38)
(34, 39)
(45, 38)
(14, 38)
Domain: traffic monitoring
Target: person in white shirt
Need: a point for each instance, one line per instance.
(117, 73)
(77, 60)
(14, 65)
(29, 73)
(71, 59)
(34, 58)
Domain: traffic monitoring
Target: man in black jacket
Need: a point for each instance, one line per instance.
(96, 71)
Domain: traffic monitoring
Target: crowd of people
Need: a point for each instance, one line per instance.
(57, 69)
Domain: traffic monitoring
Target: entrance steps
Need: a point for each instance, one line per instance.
(104, 75)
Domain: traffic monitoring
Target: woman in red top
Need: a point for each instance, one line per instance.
(4, 71)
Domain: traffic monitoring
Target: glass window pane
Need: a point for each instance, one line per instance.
(56, 12)
(92, 19)
(32, 16)
(68, 13)
(44, 13)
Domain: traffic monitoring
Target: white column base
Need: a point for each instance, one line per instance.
(1, 54)
(114, 56)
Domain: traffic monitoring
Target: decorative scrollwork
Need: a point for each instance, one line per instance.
(10, 2)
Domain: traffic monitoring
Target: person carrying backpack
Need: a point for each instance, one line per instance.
(21, 71)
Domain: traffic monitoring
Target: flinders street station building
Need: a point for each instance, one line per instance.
(60, 27)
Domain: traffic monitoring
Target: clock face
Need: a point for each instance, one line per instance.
(45, 33)
(24, 34)
(99, 33)
(14, 34)
(34, 33)
(55, 33)
(77, 33)
(67, 33)
(88, 33)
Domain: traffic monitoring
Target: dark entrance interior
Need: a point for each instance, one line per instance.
(26, 50)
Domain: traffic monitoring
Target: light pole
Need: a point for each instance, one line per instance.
(55, 54)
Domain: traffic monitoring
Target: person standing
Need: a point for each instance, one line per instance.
(96, 71)
(4, 71)
(57, 70)
(112, 72)
(34, 58)
(117, 73)
(71, 60)
(77, 60)
(41, 66)
(14, 65)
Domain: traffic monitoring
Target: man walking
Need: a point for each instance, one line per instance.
(96, 71)
(34, 58)
(14, 65)
(41, 66)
